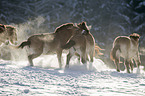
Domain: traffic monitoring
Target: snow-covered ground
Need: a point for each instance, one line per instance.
(45, 79)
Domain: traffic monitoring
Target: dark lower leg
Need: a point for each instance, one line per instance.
(127, 66)
(68, 59)
(30, 60)
(131, 65)
(83, 60)
(117, 65)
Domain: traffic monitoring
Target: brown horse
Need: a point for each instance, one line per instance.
(8, 34)
(126, 47)
(50, 42)
(82, 44)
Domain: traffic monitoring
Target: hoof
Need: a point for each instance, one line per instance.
(118, 70)
(67, 66)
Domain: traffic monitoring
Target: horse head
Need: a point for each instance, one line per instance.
(135, 36)
(11, 34)
(84, 28)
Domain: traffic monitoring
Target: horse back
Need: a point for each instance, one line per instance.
(127, 48)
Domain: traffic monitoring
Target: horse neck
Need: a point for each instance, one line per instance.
(64, 35)
(4, 36)
(135, 42)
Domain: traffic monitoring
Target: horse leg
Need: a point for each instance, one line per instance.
(69, 55)
(31, 57)
(78, 55)
(83, 58)
(138, 62)
(126, 63)
(117, 65)
(59, 54)
(92, 55)
(131, 65)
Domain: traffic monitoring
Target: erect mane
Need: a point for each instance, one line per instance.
(135, 36)
(63, 26)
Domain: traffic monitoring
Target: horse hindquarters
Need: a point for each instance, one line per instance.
(115, 56)
(36, 48)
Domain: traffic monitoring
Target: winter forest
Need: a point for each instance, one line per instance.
(107, 18)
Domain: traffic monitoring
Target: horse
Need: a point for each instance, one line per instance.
(82, 45)
(126, 47)
(8, 34)
(50, 42)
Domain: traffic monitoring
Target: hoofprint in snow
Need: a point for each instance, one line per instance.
(45, 79)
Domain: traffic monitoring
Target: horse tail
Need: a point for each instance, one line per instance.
(23, 44)
(69, 44)
(97, 49)
(113, 52)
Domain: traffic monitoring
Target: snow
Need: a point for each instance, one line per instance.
(45, 79)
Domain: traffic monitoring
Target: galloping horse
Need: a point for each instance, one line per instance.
(8, 34)
(126, 47)
(50, 42)
(82, 44)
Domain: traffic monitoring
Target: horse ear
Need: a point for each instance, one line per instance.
(79, 25)
(84, 23)
(89, 27)
(3, 26)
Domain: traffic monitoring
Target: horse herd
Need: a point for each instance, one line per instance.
(78, 40)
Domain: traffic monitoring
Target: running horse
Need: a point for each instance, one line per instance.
(126, 47)
(50, 42)
(82, 44)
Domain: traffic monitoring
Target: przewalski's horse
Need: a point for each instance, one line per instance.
(82, 44)
(50, 42)
(126, 47)
(8, 34)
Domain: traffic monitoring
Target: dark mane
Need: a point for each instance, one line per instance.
(64, 26)
(135, 36)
